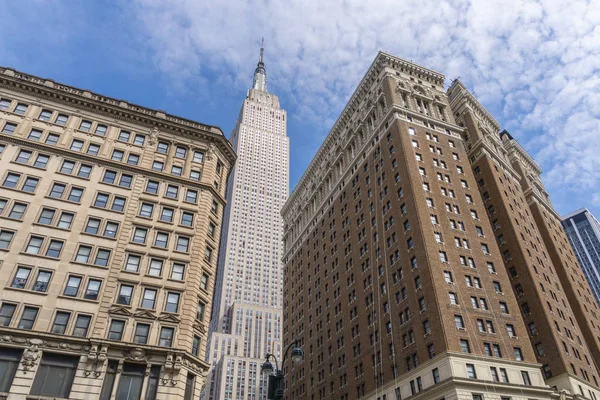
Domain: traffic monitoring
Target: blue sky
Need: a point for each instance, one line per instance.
(533, 64)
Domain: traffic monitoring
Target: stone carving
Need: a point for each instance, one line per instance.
(154, 136)
(31, 355)
(95, 357)
(210, 152)
(173, 365)
(135, 354)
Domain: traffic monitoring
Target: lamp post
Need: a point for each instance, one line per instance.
(276, 376)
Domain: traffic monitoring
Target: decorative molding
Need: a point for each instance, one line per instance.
(136, 354)
(120, 310)
(171, 369)
(95, 359)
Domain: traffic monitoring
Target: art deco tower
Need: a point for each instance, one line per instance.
(246, 321)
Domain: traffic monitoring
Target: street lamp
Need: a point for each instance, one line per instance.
(276, 376)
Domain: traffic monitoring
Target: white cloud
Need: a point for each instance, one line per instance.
(534, 64)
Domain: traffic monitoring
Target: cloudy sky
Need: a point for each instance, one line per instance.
(533, 64)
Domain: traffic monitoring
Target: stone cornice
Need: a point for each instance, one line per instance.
(512, 144)
(458, 93)
(110, 163)
(381, 60)
(119, 109)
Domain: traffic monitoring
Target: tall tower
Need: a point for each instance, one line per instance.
(583, 231)
(246, 321)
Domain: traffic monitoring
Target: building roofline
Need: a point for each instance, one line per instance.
(576, 212)
(120, 108)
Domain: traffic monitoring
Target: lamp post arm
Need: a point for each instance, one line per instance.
(269, 355)
(295, 342)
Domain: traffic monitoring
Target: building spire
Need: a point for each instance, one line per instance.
(260, 74)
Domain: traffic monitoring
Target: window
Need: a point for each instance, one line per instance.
(133, 263)
(30, 184)
(503, 307)
(198, 157)
(180, 152)
(55, 375)
(161, 240)
(52, 138)
(141, 333)
(464, 346)
(85, 126)
(100, 130)
(526, 379)
(453, 298)
(187, 219)
(24, 156)
(9, 128)
(124, 136)
(57, 191)
(204, 282)
(504, 376)
(211, 229)
(60, 322)
(155, 268)
(448, 277)
(215, 207)
(139, 140)
(125, 180)
(195, 175)
(35, 134)
(436, 376)
(11, 180)
(83, 254)
(130, 383)
(116, 330)
(46, 216)
(200, 311)
(471, 371)
(152, 187)
(191, 196)
(125, 293)
(9, 363)
(93, 149)
(110, 230)
(102, 257)
(17, 211)
(72, 287)
(149, 298)
(21, 108)
(76, 145)
(5, 105)
(511, 330)
(7, 311)
(21, 278)
(166, 336)
(42, 281)
(172, 191)
(133, 159)
(41, 161)
(139, 235)
(183, 244)
(518, 354)
(5, 239)
(92, 226)
(176, 170)
(35, 244)
(93, 289)
(117, 155)
(208, 255)
(196, 346)
(61, 119)
(162, 147)
(172, 304)
(82, 325)
(45, 115)
(178, 271)
(28, 318)
(75, 195)
(167, 214)
(459, 322)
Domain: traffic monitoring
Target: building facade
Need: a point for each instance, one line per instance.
(110, 216)
(246, 320)
(583, 231)
(397, 279)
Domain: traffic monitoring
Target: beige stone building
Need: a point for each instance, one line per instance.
(110, 215)
(423, 258)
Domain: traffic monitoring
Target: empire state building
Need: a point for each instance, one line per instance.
(246, 321)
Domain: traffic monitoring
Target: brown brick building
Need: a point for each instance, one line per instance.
(397, 278)
(110, 215)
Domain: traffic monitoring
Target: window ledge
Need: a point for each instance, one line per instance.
(88, 265)
(40, 256)
(27, 290)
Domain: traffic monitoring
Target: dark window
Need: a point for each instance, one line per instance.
(60, 322)
(21, 277)
(109, 379)
(9, 362)
(46, 217)
(30, 184)
(153, 382)
(166, 336)
(101, 200)
(11, 180)
(57, 190)
(6, 313)
(42, 281)
(141, 333)
(152, 187)
(189, 387)
(130, 384)
(118, 204)
(116, 330)
(54, 248)
(82, 324)
(5, 239)
(28, 318)
(55, 375)
(72, 286)
(196, 346)
(92, 290)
